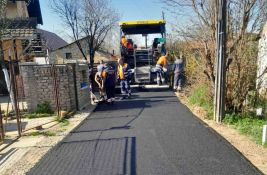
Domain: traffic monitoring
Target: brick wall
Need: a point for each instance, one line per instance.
(40, 84)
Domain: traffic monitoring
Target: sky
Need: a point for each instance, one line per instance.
(128, 10)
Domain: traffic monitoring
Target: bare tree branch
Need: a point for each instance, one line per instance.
(92, 19)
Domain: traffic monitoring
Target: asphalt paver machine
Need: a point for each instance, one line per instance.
(143, 59)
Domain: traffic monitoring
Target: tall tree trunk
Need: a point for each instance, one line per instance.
(92, 56)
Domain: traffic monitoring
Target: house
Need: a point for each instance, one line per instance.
(262, 63)
(71, 52)
(47, 42)
(23, 18)
(19, 36)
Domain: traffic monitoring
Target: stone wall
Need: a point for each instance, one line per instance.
(42, 82)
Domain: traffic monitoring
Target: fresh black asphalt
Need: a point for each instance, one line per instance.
(150, 134)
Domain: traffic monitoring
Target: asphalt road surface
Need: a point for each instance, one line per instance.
(150, 134)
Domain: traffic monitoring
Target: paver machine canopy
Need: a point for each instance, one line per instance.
(143, 27)
(142, 59)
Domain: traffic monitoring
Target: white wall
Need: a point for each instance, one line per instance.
(262, 61)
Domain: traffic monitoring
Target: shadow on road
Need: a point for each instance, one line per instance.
(98, 156)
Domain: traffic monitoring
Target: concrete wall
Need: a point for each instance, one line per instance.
(262, 62)
(39, 85)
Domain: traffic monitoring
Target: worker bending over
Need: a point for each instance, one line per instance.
(99, 79)
(124, 77)
(106, 80)
(161, 67)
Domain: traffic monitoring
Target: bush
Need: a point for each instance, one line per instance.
(200, 96)
(254, 101)
(44, 108)
(246, 125)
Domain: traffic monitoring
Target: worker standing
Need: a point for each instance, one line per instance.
(161, 67)
(109, 81)
(124, 77)
(179, 65)
(124, 43)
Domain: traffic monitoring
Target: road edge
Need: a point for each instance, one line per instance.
(221, 137)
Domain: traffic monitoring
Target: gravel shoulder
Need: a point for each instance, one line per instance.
(255, 153)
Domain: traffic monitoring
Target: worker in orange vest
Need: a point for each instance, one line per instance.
(124, 43)
(161, 67)
(124, 77)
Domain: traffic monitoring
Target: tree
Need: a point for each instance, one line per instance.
(245, 19)
(92, 19)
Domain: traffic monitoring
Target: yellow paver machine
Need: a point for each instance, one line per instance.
(142, 59)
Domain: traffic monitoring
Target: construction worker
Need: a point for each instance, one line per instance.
(109, 81)
(124, 77)
(99, 79)
(124, 43)
(161, 67)
(179, 65)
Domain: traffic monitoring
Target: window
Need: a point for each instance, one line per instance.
(68, 56)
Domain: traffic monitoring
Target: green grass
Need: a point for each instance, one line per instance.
(200, 96)
(35, 115)
(246, 125)
(64, 122)
(49, 133)
(46, 133)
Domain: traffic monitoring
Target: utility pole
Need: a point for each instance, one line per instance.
(163, 15)
(219, 100)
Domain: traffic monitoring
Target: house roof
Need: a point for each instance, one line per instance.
(34, 10)
(53, 41)
(74, 42)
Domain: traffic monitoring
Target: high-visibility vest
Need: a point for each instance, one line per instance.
(123, 71)
(124, 42)
(162, 61)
